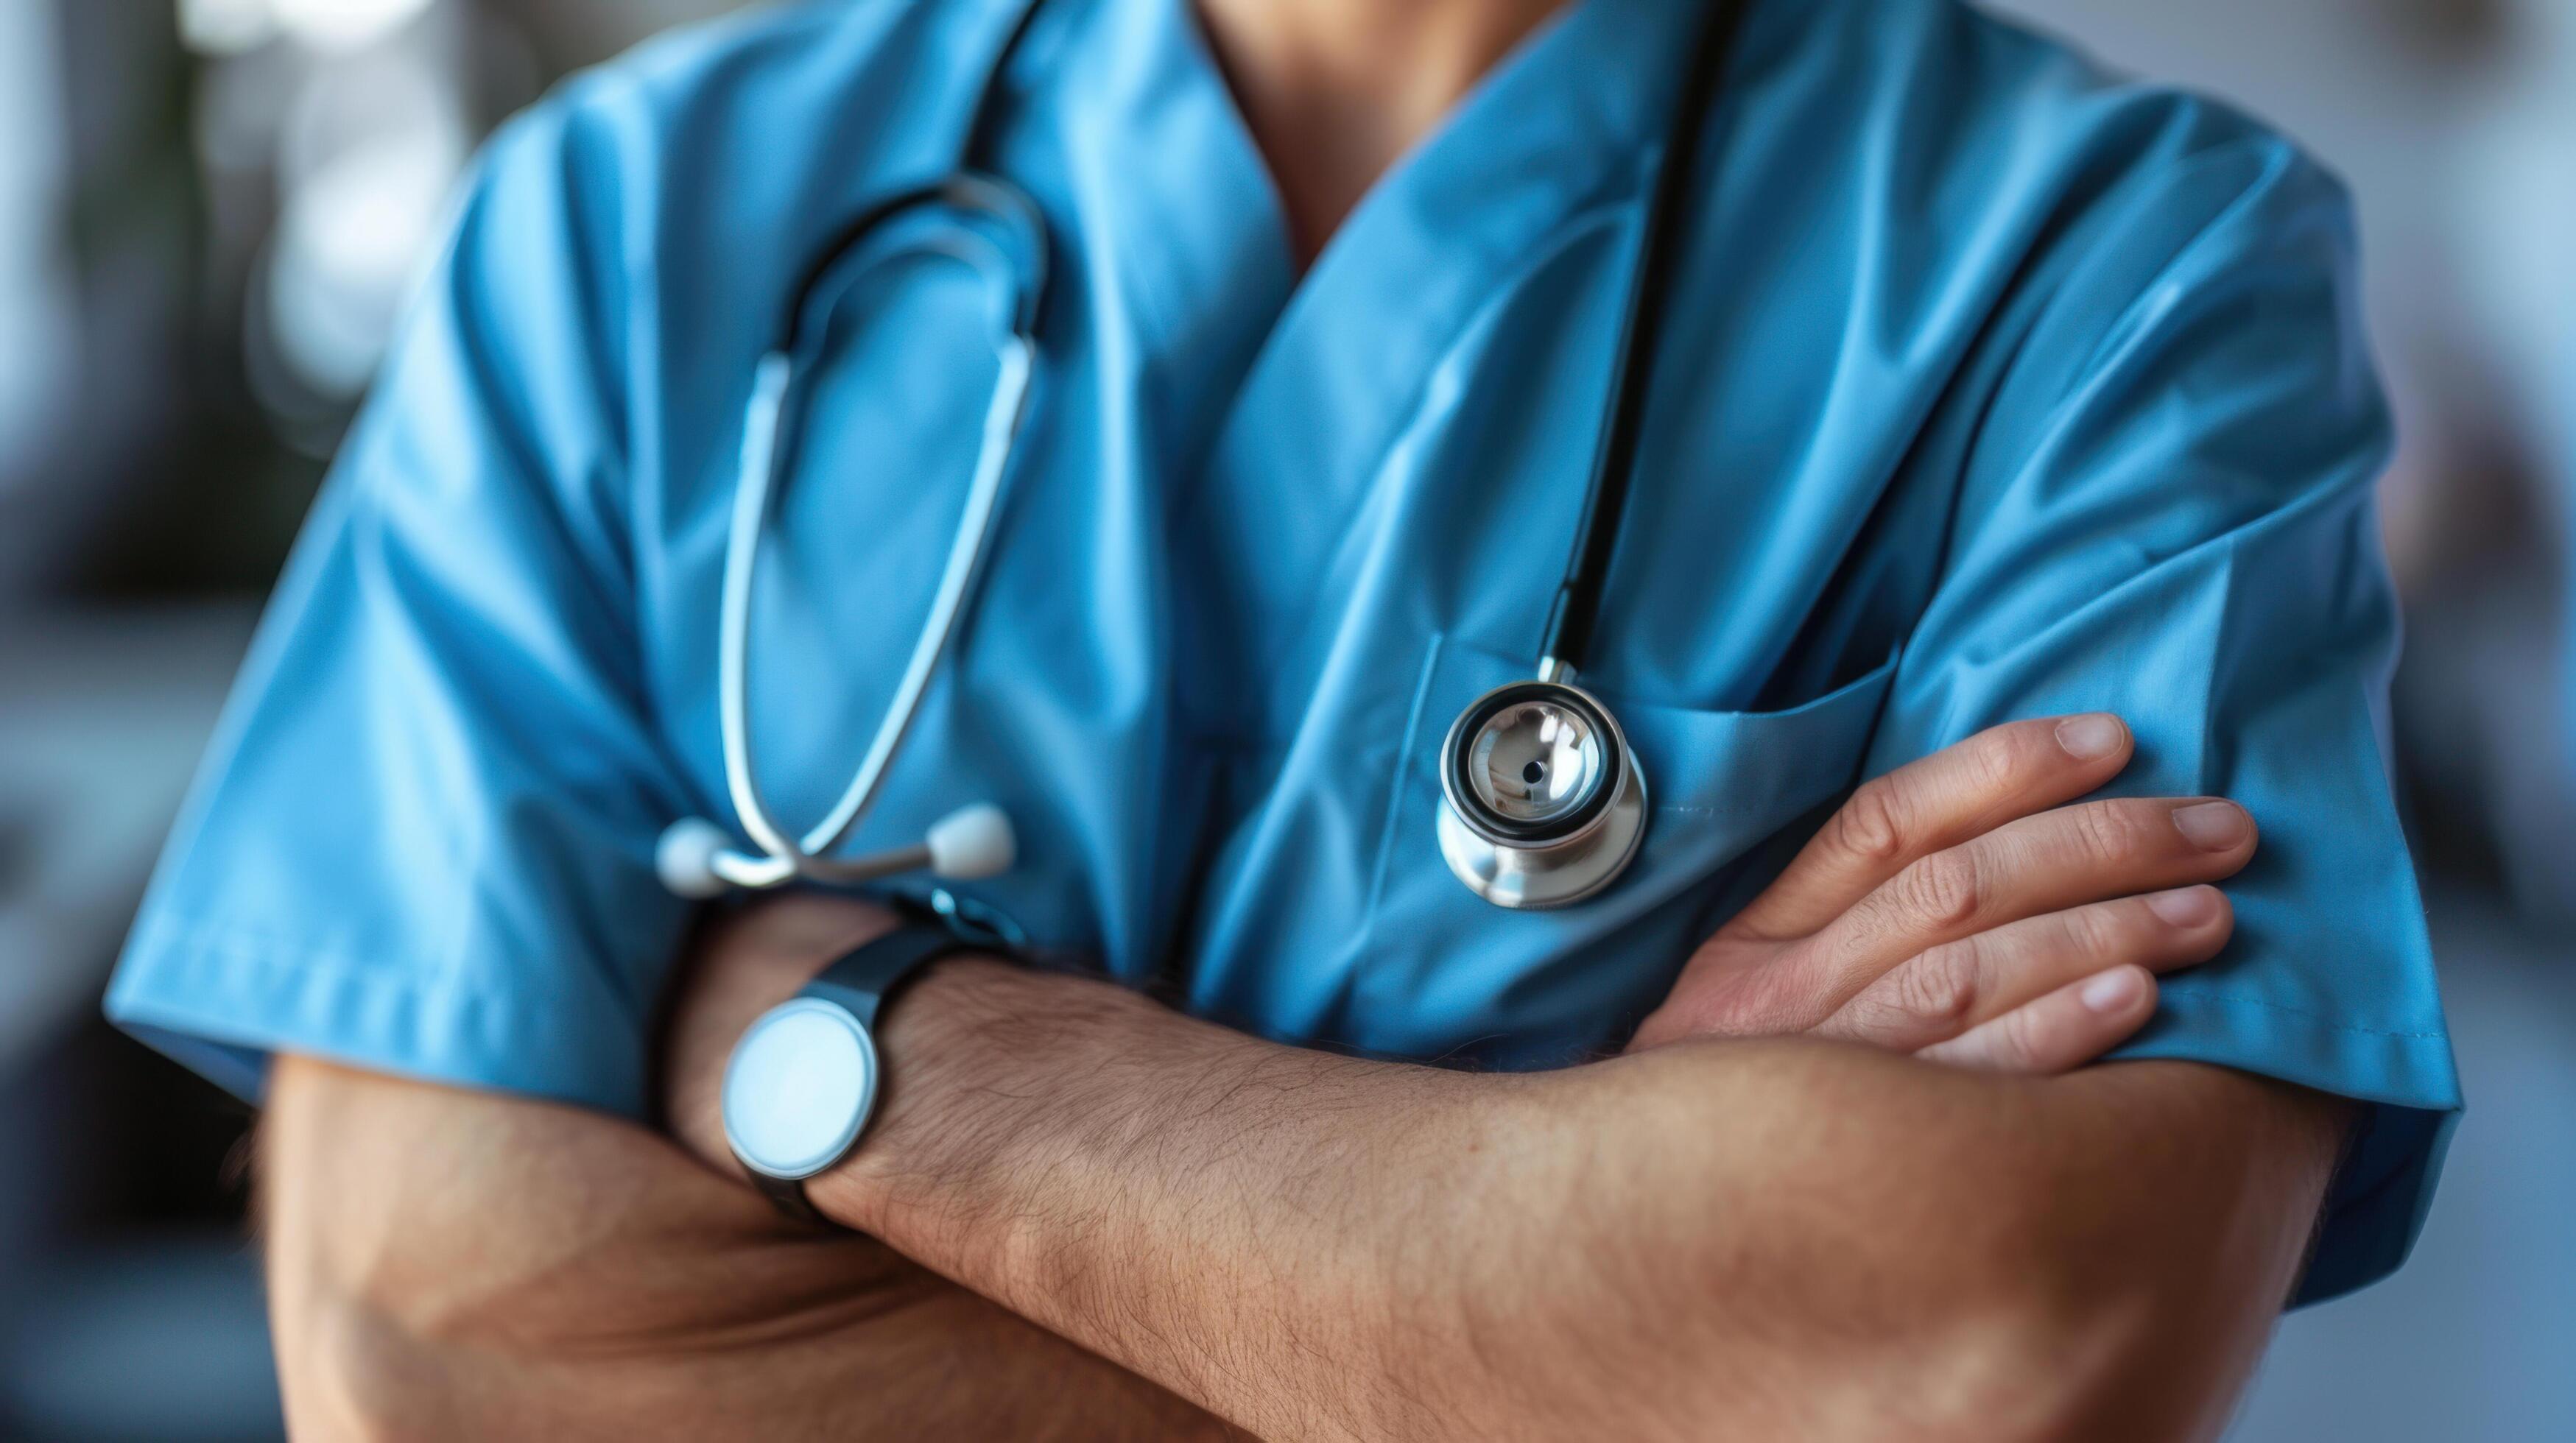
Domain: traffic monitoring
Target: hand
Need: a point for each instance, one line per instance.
(1959, 910)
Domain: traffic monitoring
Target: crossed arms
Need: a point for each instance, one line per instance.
(1844, 1186)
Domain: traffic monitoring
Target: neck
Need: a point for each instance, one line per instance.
(1336, 91)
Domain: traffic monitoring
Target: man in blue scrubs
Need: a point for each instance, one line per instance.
(1991, 390)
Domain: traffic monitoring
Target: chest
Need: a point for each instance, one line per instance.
(1229, 615)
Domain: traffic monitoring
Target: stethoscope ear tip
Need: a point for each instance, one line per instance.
(685, 858)
(972, 842)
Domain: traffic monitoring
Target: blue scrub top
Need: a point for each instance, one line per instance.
(1993, 388)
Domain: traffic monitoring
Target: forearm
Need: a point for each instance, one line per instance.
(1228, 1216)
(1708, 1238)
(446, 1264)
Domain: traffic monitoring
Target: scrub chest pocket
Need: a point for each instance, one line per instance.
(1440, 973)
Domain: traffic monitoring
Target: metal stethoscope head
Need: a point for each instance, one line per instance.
(1002, 236)
(1545, 803)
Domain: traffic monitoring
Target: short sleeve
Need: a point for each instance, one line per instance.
(2168, 513)
(421, 841)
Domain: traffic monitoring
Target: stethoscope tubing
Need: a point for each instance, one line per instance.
(1565, 643)
(786, 855)
(783, 855)
(1517, 864)
(1476, 848)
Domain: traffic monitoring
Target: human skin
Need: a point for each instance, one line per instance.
(1846, 1186)
(1837, 1194)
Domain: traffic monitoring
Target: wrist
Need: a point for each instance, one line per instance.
(926, 1044)
(744, 966)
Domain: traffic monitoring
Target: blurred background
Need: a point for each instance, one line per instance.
(210, 211)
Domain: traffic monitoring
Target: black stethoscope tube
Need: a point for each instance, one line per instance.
(1535, 858)
(1500, 829)
(976, 140)
(1566, 643)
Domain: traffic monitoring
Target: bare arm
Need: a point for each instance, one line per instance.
(442, 1261)
(1784, 1236)
(448, 1264)
(1740, 1239)
(445, 1264)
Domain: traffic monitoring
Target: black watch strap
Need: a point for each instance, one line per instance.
(865, 977)
(788, 1196)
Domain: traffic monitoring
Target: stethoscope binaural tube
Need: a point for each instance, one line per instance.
(1543, 803)
(1558, 809)
(695, 858)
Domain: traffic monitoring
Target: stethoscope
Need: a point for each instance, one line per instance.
(1544, 803)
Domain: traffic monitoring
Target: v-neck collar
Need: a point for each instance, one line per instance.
(1570, 121)
(1199, 230)
(1581, 98)
(1178, 210)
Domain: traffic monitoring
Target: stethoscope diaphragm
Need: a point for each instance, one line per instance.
(1544, 804)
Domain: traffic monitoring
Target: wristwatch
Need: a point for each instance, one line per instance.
(803, 1080)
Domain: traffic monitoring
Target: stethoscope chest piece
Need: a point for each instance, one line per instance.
(1545, 804)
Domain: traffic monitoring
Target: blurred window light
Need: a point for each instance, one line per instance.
(344, 24)
(37, 333)
(226, 27)
(350, 243)
(366, 158)
(2513, 196)
(231, 27)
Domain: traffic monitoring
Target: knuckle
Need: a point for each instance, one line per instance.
(1995, 760)
(1868, 825)
(1744, 1001)
(2022, 1040)
(2097, 932)
(2107, 832)
(1882, 1020)
(1787, 996)
(1940, 986)
(1944, 890)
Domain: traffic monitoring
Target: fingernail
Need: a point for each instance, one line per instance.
(2184, 907)
(2213, 826)
(2090, 737)
(2112, 991)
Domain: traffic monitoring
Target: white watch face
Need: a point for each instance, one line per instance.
(798, 1089)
